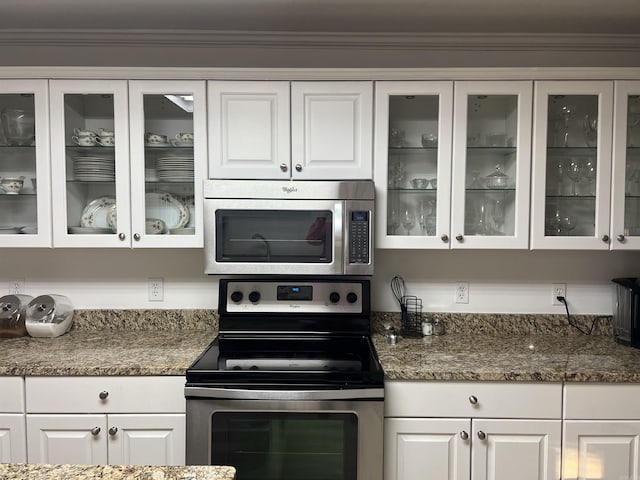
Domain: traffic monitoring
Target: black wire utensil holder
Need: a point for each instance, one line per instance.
(411, 316)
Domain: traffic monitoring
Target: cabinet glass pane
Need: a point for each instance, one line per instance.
(572, 135)
(632, 171)
(491, 166)
(169, 180)
(413, 165)
(18, 212)
(90, 164)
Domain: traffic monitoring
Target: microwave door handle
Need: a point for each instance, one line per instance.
(339, 230)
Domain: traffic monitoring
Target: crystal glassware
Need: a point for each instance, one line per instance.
(407, 219)
(574, 172)
(498, 214)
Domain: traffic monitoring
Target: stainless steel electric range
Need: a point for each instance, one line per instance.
(292, 387)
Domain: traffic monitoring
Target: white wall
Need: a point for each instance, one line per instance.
(499, 281)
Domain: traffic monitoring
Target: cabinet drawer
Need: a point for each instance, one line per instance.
(123, 394)
(11, 395)
(455, 399)
(602, 401)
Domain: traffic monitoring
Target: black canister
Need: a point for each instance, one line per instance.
(626, 311)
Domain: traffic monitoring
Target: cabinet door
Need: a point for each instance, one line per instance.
(90, 163)
(25, 206)
(625, 185)
(426, 448)
(147, 439)
(522, 449)
(491, 165)
(331, 130)
(249, 130)
(168, 162)
(75, 439)
(571, 165)
(601, 449)
(413, 163)
(13, 439)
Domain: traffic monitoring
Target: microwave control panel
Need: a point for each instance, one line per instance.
(359, 230)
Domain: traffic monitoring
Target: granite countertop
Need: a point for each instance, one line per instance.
(547, 358)
(19, 471)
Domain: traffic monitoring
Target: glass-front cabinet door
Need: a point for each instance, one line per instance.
(572, 165)
(90, 163)
(25, 215)
(625, 194)
(491, 165)
(412, 164)
(168, 162)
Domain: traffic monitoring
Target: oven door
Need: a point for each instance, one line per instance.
(296, 439)
(271, 236)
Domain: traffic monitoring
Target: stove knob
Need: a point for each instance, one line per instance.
(334, 297)
(236, 296)
(352, 297)
(254, 297)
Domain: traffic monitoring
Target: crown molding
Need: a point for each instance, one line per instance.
(325, 40)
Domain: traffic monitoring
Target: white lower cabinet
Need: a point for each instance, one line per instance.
(12, 424)
(106, 420)
(517, 433)
(601, 438)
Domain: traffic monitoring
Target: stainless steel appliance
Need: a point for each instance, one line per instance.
(626, 313)
(288, 228)
(291, 389)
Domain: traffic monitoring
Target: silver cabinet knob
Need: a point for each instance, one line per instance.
(444, 238)
(113, 431)
(481, 435)
(464, 435)
(605, 238)
(136, 237)
(122, 236)
(298, 167)
(473, 400)
(103, 395)
(95, 431)
(459, 237)
(620, 238)
(283, 167)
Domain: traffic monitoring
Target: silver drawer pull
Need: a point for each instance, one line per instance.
(464, 435)
(473, 400)
(95, 431)
(103, 395)
(481, 435)
(113, 431)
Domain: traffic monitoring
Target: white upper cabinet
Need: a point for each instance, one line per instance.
(90, 163)
(491, 165)
(331, 129)
(625, 195)
(413, 164)
(572, 165)
(168, 162)
(128, 163)
(249, 130)
(25, 206)
(283, 130)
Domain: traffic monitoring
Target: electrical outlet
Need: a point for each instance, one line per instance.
(558, 290)
(462, 292)
(156, 289)
(16, 287)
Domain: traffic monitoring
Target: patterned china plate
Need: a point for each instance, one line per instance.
(96, 212)
(167, 208)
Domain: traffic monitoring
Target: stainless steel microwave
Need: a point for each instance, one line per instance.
(273, 227)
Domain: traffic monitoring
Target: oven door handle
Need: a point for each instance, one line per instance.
(250, 394)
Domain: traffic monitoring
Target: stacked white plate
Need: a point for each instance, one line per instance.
(175, 169)
(94, 169)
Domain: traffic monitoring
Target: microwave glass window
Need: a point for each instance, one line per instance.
(274, 236)
(285, 445)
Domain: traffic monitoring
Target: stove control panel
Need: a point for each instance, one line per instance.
(291, 297)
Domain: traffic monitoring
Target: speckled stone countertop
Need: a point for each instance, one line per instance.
(510, 348)
(128, 342)
(19, 471)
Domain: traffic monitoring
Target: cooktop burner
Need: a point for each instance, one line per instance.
(283, 333)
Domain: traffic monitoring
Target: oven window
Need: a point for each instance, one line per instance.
(286, 445)
(274, 236)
